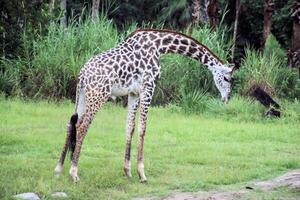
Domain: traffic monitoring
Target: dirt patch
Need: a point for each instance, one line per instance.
(201, 195)
(290, 179)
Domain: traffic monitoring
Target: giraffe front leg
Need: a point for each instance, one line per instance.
(146, 98)
(133, 102)
(140, 159)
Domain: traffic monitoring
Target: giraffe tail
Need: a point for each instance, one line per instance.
(72, 133)
(79, 110)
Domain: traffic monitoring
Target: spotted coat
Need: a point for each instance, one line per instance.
(132, 68)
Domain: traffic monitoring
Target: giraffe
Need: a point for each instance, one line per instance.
(132, 68)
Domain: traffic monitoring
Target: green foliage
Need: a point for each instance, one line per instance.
(175, 13)
(52, 62)
(18, 17)
(268, 70)
(272, 47)
(257, 69)
(282, 22)
(52, 69)
(194, 102)
(244, 107)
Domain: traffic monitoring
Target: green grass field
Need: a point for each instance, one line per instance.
(182, 152)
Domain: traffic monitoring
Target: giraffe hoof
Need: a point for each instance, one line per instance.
(73, 174)
(143, 180)
(127, 172)
(58, 170)
(75, 178)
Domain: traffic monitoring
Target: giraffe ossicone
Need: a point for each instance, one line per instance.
(132, 68)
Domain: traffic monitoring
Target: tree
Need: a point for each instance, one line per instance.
(95, 9)
(236, 21)
(174, 13)
(268, 11)
(51, 6)
(200, 11)
(213, 13)
(196, 12)
(204, 11)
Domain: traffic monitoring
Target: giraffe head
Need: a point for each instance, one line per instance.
(223, 80)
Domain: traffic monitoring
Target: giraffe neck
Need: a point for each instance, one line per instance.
(187, 46)
(166, 41)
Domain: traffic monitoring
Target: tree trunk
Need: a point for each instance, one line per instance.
(196, 12)
(236, 22)
(63, 8)
(196, 6)
(213, 12)
(268, 11)
(204, 11)
(51, 6)
(95, 9)
(294, 54)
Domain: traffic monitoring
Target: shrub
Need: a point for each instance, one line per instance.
(268, 70)
(239, 108)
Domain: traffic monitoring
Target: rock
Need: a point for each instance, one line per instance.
(59, 194)
(27, 196)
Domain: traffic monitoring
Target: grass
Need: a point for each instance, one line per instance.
(182, 152)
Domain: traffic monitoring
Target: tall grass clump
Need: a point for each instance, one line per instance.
(52, 68)
(194, 102)
(268, 70)
(180, 73)
(238, 108)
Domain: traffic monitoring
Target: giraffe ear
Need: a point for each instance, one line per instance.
(233, 67)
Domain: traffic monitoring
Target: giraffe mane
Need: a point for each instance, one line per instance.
(177, 33)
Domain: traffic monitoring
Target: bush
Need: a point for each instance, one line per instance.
(268, 70)
(239, 108)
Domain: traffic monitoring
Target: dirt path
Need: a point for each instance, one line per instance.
(290, 180)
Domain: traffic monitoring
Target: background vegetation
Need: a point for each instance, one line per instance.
(41, 58)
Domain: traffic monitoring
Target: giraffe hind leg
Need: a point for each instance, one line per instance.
(93, 104)
(80, 109)
(69, 143)
(71, 133)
